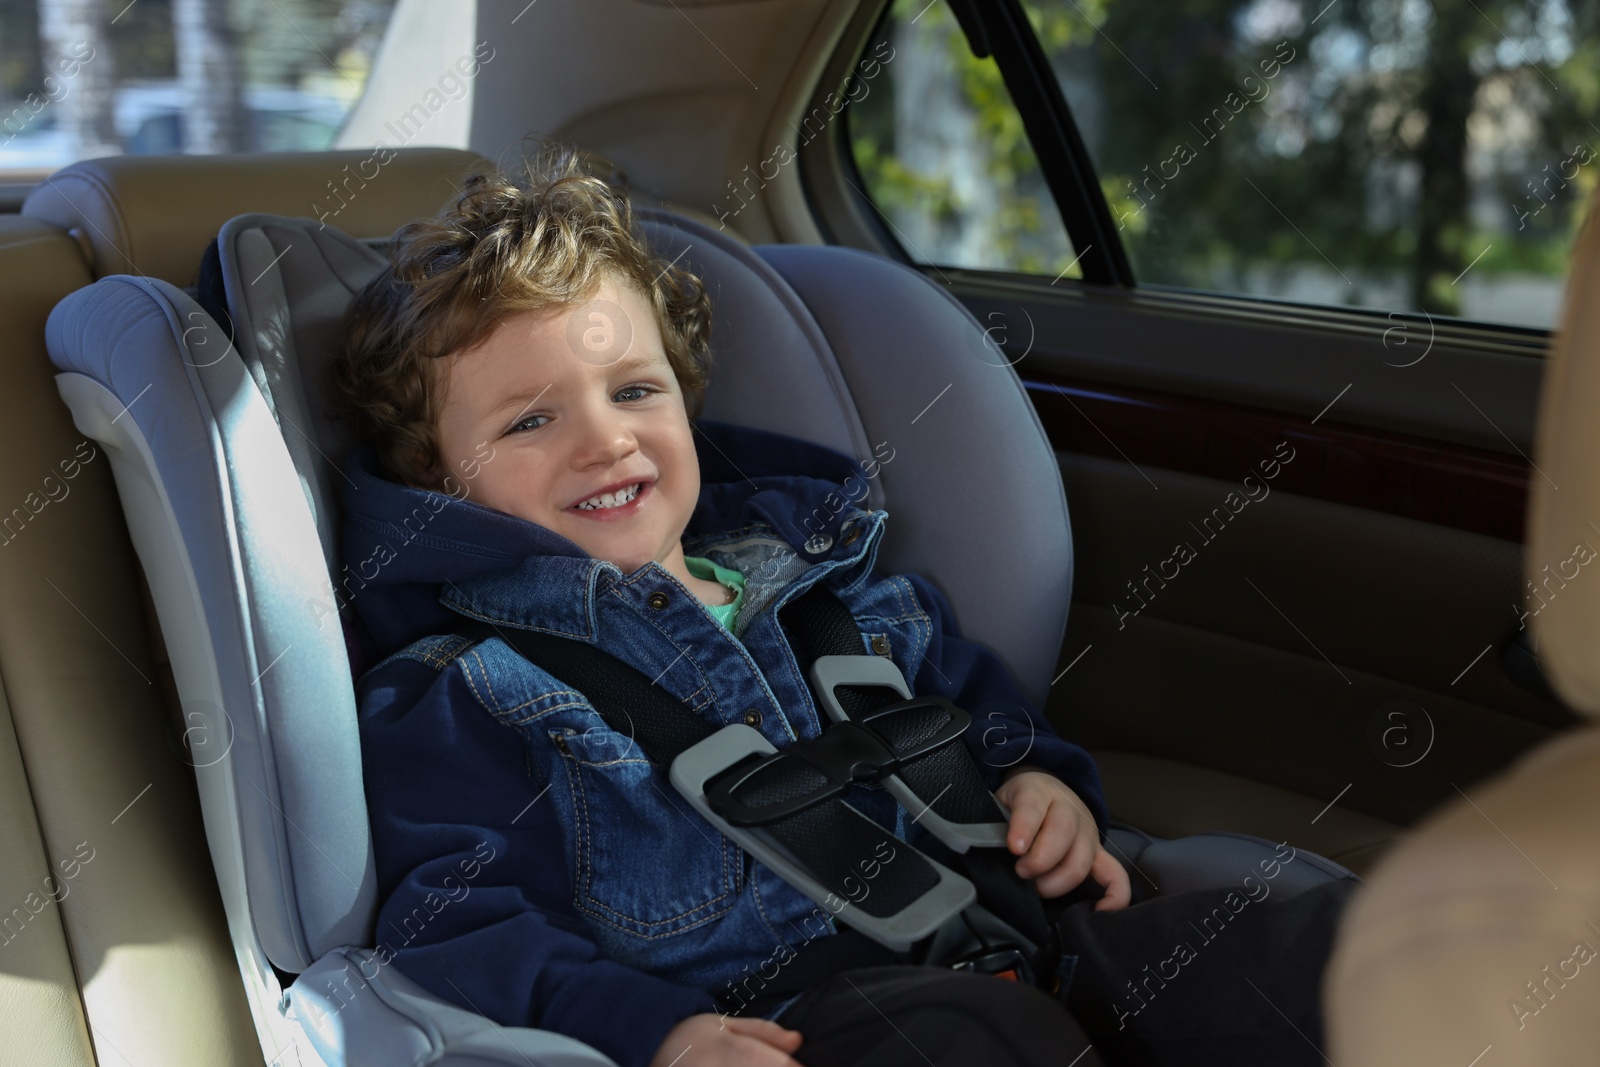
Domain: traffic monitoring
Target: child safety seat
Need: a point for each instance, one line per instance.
(227, 466)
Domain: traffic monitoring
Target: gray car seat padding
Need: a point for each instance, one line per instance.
(222, 520)
(221, 523)
(1164, 866)
(976, 499)
(871, 358)
(351, 1002)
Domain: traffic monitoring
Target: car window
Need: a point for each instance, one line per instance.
(82, 78)
(1392, 154)
(942, 154)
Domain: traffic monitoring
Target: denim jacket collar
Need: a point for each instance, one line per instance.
(782, 513)
(557, 593)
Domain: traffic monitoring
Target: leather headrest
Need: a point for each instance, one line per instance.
(155, 215)
(1563, 553)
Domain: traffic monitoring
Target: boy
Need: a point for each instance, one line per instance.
(523, 380)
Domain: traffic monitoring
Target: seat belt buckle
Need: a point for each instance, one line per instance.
(907, 718)
(930, 896)
(1007, 963)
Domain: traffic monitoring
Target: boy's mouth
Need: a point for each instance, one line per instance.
(614, 505)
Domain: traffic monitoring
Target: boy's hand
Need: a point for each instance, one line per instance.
(1052, 825)
(727, 1041)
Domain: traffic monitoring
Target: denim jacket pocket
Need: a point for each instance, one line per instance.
(646, 863)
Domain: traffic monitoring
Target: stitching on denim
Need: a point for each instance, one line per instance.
(527, 720)
(640, 927)
(505, 715)
(497, 620)
(732, 866)
(914, 615)
(904, 591)
(590, 904)
(581, 761)
(472, 685)
(744, 654)
(438, 658)
(488, 683)
(429, 651)
(761, 909)
(711, 541)
(578, 703)
(599, 908)
(900, 583)
(634, 931)
(639, 578)
(492, 705)
(860, 562)
(580, 884)
(922, 630)
(695, 664)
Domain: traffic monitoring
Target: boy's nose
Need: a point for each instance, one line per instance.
(604, 434)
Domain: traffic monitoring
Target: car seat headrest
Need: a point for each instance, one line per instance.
(154, 215)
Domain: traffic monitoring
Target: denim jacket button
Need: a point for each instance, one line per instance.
(851, 536)
(819, 543)
(752, 717)
(880, 645)
(657, 600)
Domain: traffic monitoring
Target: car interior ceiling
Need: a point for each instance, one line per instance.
(1247, 723)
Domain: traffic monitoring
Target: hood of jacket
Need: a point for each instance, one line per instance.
(404, 546)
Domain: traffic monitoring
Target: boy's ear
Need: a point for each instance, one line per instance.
(435, 482)
(430, 479)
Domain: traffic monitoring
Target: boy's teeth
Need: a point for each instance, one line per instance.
(610, 500)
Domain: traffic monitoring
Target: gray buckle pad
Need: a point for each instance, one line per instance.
(915, 896)
(829, 672)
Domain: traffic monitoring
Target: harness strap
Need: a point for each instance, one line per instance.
(820, 625)
(824, 837)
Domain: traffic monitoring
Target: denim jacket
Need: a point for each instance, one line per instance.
(533, 865)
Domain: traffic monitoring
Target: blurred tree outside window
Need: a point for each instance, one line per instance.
(87, 78)
(941, 148)
(1397, 155)
(1392, 154)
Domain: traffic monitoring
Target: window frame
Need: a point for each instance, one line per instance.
(847, 215)
(1000, 28)
(989, 26)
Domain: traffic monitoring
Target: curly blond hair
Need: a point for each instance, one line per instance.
(543, 240)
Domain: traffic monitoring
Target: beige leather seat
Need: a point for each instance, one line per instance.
(1477, 941)
(113, 945)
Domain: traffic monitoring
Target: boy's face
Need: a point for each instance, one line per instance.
(557, 406)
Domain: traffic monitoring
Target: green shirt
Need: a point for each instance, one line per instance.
(701, 567)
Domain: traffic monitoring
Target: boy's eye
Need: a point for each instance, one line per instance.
(643, 390)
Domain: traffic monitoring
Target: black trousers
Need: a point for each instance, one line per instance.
(1199, 979)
